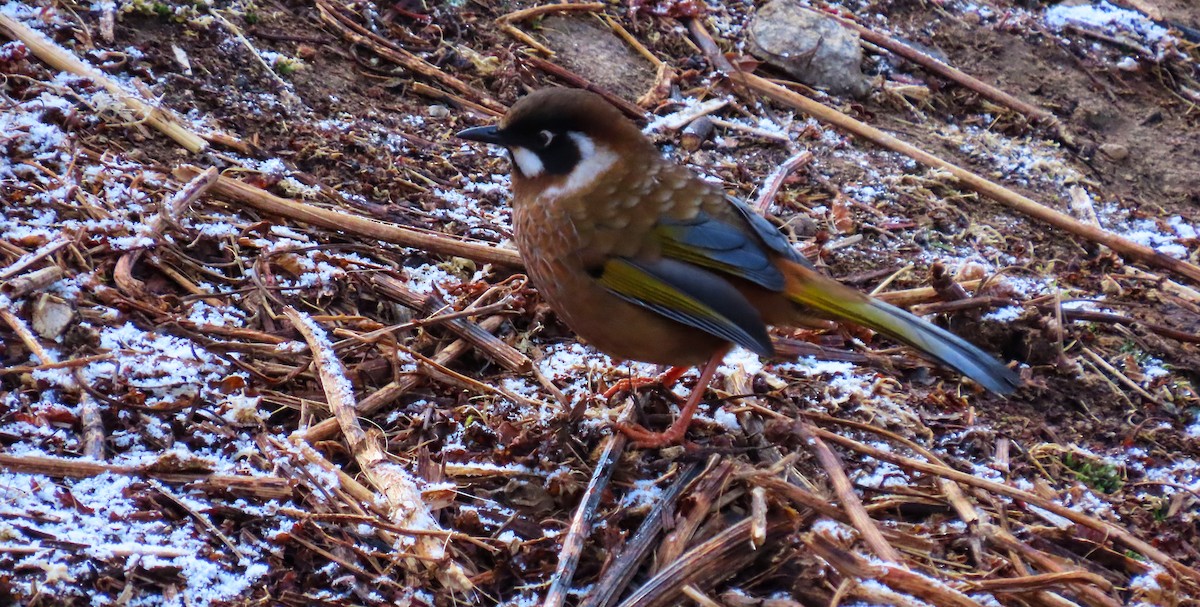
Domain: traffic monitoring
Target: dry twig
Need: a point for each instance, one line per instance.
(434, 242)
(335, 16)
(27, 260)
(575, 80)
(896, 577)
(506, 22)
(909, 297)
(1106, 528)
(775, 180)
(168, 215)
(968, 179)
(704, 565)
(953, 74)
(384, 396)
(581, 523)
(617, 576)
(407, 507)
(31, 282)
(845, 493)
(59, 58)
(493, 347)
(263, 487)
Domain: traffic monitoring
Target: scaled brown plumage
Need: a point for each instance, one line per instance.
(647, 261)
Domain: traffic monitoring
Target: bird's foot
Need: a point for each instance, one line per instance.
(629, 384)
(645, 439)
(648, 439)
(666, 380)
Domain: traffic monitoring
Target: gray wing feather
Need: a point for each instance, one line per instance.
(770, 235)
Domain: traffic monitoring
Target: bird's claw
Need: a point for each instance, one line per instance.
(628, 384)
(648, 439)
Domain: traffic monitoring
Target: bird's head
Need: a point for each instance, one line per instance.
(563, 139)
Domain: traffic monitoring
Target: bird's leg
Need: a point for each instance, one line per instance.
(649, 440)
(666, 380)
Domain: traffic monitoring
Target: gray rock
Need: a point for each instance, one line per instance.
(811, 47)
(593, 51)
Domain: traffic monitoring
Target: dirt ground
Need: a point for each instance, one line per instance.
(1107, 425)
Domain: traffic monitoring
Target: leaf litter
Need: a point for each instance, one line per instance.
(165, 446)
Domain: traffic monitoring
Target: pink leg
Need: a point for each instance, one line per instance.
(674, 435)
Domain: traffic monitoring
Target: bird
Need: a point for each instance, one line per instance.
(647, 261)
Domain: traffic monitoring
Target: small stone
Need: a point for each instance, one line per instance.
(51, 316)
(438, 111)
(696, 133)
(811, 47)
(1114, 151)
(1111, 287)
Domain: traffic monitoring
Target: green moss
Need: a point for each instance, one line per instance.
(1131, 348)
(1097, 475)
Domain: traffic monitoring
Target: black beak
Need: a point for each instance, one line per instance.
(483, 134)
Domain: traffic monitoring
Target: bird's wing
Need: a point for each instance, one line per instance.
(734, 241)
(690, 295)
(710, 242)
(688, 282)
(770, 235)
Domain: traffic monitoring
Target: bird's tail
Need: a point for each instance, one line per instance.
(826, 296)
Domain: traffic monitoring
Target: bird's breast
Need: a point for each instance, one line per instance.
(565, 243)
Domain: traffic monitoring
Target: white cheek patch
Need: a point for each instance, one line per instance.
(528, 162)
(593, 162)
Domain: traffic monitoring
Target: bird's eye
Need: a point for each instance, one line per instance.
(545, 138)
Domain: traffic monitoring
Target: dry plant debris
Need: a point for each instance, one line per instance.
(262, 340)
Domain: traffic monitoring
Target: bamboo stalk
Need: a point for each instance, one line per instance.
(354, 224)
(265, 487)
(406, 505)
